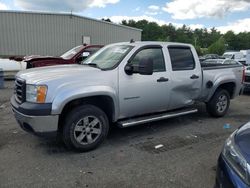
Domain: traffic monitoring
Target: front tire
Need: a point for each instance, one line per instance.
(85, 128)
(219, 103)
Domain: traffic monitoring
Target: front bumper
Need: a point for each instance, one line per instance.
(226, 176)
(38, 124)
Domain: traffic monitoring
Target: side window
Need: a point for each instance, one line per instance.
(181, 58)
(153, 53)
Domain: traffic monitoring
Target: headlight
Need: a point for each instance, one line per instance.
(36, 94)
(235, 159)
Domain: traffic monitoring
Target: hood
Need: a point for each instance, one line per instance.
(242, 139)
(63, 79)
(61, 73)
(38, 57)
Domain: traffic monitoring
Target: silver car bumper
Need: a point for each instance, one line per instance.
(37, 124)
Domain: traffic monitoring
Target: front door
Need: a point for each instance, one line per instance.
(141, 94)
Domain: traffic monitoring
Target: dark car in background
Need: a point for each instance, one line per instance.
(233, 169)
(72, 56)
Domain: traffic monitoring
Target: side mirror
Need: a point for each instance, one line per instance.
(129, 69)
(145, 67)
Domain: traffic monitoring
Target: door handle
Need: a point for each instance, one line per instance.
(194, 76)
(162, 79)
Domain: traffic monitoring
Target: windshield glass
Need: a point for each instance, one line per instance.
(228, 56)
(71, 53)
(109, 56)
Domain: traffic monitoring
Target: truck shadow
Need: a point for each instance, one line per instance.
(124, 136)
(247, 93)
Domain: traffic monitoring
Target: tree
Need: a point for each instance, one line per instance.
(198, 50)
(218, 47)
(200, 38)
(231, 40)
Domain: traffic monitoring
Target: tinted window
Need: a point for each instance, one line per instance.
(181, 58)
(155, 54)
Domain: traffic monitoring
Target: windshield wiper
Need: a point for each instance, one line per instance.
(92, 65)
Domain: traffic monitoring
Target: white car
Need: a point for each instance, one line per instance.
(237, 56)
(11, 67)
(221, 62)
(233, 55)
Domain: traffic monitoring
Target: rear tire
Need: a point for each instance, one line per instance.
(219, 103)
(85, 128)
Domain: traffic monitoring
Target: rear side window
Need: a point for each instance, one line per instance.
(181, 58)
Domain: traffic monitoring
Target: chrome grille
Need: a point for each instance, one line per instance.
(20, 90)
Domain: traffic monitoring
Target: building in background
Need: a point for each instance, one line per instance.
(26, 33)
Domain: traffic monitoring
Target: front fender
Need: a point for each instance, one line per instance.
(65, 96)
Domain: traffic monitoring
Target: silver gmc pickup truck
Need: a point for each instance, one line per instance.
(123, 84)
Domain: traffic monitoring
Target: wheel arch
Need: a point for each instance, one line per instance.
(228, 86)
(104, 102)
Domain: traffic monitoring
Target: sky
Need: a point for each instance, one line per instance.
(224, 15)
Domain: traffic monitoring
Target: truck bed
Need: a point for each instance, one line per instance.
(214, 74)
(206, 66)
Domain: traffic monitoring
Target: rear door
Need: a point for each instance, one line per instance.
(186, 76)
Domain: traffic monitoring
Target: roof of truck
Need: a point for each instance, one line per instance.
(139, 43)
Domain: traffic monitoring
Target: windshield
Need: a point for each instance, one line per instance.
(228, 56)
(71, 53)
(109, 56)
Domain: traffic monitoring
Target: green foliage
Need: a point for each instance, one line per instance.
(217, 47)
(200, 38)
(231, 40)
(198, 50)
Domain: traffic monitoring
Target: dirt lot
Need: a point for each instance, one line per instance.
(127, 159)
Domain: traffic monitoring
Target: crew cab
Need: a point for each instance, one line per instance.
(122, 84)
(73, 56)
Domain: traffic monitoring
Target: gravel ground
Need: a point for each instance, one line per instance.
(191, 145)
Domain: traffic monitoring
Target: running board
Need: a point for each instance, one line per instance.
(151, 118)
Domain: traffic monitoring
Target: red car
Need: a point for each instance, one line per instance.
(73, 56)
